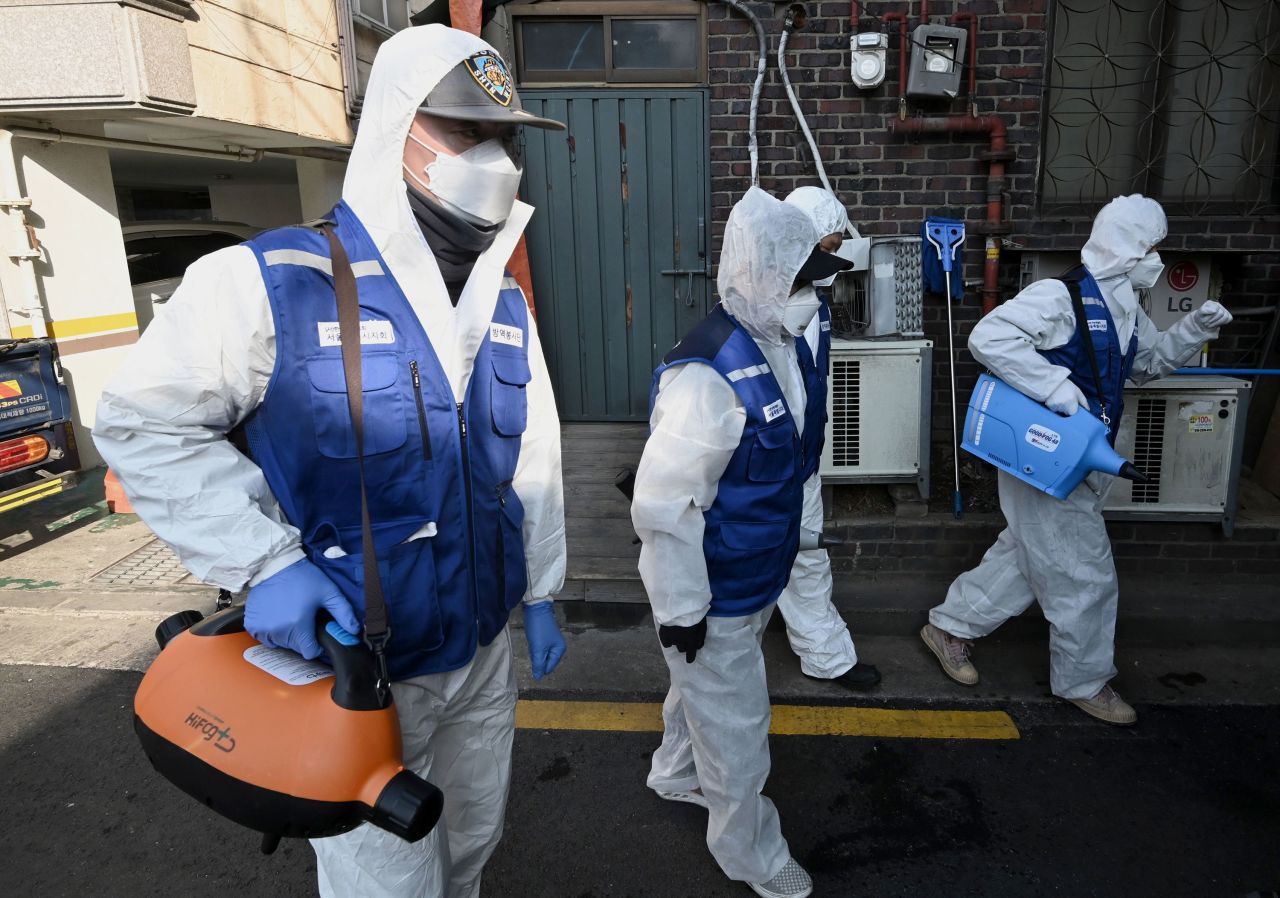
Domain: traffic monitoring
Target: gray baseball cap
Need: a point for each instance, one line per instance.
(480, 89)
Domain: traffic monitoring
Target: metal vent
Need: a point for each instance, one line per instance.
(1148, 448)
(846, 425)
(908, 286)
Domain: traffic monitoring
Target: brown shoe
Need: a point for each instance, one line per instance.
(1108, 707)
(952, 653)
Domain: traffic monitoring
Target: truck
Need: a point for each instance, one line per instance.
(38, 456)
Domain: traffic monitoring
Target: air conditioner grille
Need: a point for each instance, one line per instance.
(1148, 448)
(846, 391)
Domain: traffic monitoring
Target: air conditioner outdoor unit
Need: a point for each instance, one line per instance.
(878, 405)
(1187, 435)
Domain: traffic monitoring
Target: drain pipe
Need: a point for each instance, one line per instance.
(793, 22)
(20, 244)
(762, 53)
(996, 157)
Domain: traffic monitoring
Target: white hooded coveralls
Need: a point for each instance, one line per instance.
(1057, 552)
(815, 629)
(716, 715)
(204, 365)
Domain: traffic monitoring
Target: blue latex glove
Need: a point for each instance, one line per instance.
(546, 645)
(281, 610)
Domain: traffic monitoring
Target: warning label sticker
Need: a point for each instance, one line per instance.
(1200, 424)
(286, 666)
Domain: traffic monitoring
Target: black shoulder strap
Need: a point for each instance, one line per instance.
(1072, 280)
(377, 632)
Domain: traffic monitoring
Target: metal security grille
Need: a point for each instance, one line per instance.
(1175, 100)
(152, 565)
(1148, 448)
(908, 288)
(846, 422)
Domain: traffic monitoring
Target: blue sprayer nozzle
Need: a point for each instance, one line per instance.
(1038, 446)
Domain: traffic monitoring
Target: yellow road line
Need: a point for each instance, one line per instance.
(788, 720)
(78, 327)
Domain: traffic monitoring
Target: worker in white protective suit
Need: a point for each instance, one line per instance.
(717, 504)
(461, 440)
(1056, 552)
(815, 629)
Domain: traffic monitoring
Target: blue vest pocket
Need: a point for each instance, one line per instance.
(385, 416)
(510, 405)
(773, 454)
(745, 535)
(409, 583)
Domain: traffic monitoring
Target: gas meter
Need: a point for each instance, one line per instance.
(867, 52)
(937, 56)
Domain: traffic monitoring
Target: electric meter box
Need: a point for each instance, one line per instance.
(937, 57)
(867, 55)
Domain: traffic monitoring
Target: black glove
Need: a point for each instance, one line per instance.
(685, 639)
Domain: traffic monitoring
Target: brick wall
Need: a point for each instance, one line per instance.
(937, 549)
(891, 183)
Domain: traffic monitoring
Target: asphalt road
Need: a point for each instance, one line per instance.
(1186, 804)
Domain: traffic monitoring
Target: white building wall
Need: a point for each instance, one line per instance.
(83, 276)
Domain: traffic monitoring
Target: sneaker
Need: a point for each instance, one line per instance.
(859, 677)
(693, 796)
(1107, 706)
(791, 882)
(952, 654)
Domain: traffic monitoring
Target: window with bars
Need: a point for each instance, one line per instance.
(586, 43)
(1176, 100)
(387, 15)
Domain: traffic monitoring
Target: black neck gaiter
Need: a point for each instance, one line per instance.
(455, 242)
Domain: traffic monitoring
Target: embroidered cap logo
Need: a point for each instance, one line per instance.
(491, 73)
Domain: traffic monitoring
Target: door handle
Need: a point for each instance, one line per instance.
(689, 273)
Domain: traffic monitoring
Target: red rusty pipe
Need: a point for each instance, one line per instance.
(854, 13)
(901, 19)
(972, 18)
(995, 128)
(924, 12)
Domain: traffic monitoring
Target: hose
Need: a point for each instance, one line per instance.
(762, 51)
(795, 104)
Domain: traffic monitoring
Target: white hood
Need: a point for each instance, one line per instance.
(766, 241)
(407, 67)
(1125, 230)
(827, 212)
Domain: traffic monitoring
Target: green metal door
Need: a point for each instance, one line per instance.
(618, 244)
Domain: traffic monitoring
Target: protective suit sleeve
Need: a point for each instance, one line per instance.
(537, 481)
(200, 368)
(1008, 339)
(695, 427)
(1160, 352)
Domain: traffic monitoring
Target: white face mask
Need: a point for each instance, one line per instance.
(481, 183)
(1147, 272)
(799, 311)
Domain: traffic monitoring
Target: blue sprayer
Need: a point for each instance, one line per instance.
(1038, 446)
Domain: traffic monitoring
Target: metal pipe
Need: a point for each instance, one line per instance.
(52, 135)
(15, 206)
(762, 51)
(795, 19)
(1252, 372)
(901, 19)
(924, 12)
(998, 133)
(972, 19)
(855, 12)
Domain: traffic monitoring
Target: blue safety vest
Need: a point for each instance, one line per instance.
(446, 523)
(815, 370)
(1114, 363)
(752, 531)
